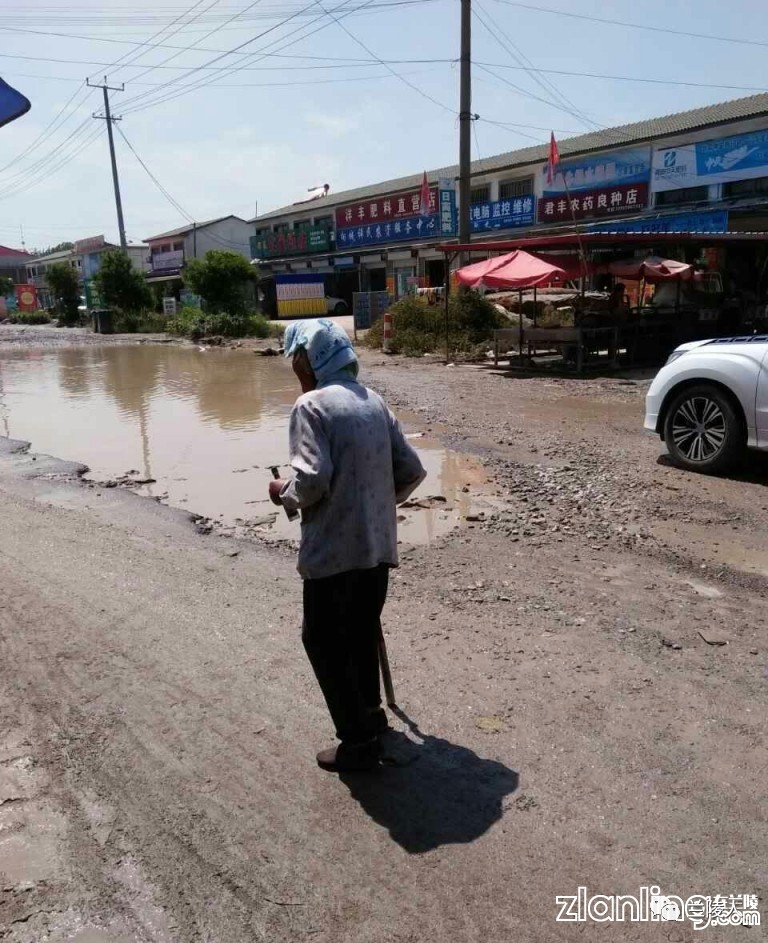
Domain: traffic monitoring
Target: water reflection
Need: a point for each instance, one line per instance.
(205, 424)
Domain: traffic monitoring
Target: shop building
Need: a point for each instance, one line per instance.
(169, 251)
(703, 170)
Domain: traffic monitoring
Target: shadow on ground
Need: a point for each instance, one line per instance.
(434, 793)
(752, 470)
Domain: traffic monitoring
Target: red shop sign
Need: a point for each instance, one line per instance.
(384, 209)
(588, 204)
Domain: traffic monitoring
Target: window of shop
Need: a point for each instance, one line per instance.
(480, 194)
(739, 189)
(513, 188)
(178, 246)
(326, 221)
(282, 227)
(684, 195)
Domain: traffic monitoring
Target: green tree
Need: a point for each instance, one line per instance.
(6, 285)
(64, 284)
(59, 247)
(120, 285)
(222, 278)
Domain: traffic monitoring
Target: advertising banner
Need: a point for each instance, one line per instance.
(91, 244)
(92, 297)
(721, 160)
(503, 214)
(26, 297)
(629, 166)
(169, 262)
(300, 295)
(707, 221)
(590, 204)
(276, 244)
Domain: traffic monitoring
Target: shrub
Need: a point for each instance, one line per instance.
(419, 328)
(64, 284)
(134, 322)
(194, 324)
(120, 285)
(222, 279)
(29, 317)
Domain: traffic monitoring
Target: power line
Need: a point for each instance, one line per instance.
(175, 55)
(360, 64)
(623, 23)
(47, 128)
(47, 172)
(177, 206)
(257, 55)
(350, 79)
(135, 54)
(224, 55)
(370, 52)
(526, 65)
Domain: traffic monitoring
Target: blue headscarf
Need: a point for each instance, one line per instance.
(328, 347)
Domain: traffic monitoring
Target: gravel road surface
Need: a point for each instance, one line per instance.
(583, 676)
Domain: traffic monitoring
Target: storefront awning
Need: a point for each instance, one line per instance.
(605, 240)
(164, 278)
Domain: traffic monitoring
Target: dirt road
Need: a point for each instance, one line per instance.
(587, 669)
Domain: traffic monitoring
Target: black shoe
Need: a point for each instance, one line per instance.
(350, 758)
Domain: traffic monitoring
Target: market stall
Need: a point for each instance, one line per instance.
(693, 295)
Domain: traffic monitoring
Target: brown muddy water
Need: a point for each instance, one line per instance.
(204, 424)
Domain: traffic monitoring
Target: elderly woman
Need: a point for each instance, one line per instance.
(352, 465)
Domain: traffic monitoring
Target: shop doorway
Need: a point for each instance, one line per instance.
(435, 272)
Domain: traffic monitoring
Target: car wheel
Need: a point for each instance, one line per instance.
(703, 430)
(340, 310)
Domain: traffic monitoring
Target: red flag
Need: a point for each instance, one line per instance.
(553, 160)
(424, 208)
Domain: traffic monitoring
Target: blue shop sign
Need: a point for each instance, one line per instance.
(401, 230)
(503, 214)
(709, 222)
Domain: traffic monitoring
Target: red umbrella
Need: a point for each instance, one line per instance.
(518, 269)
(652, 269)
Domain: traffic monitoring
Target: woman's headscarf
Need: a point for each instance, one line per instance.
(328, 347)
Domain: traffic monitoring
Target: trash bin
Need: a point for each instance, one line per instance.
(102, 321)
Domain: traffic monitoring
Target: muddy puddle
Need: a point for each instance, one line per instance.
(201, 427)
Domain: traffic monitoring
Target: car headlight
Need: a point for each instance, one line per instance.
(673, 356)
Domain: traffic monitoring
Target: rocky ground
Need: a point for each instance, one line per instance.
(587, 661)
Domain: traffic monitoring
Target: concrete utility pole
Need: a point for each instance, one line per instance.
(107, 116)
(465, 121)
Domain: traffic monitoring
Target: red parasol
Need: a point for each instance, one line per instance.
(518, 269)
(652, 269)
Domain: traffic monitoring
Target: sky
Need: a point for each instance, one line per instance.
(306, 100)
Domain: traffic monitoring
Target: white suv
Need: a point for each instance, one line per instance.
(709, 402)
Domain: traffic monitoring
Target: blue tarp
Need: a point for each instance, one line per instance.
(12, 104)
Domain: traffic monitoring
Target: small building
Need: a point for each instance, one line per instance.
(13, 264)
(85, 257)
(170, 251)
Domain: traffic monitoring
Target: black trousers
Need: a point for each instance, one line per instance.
(340, 635)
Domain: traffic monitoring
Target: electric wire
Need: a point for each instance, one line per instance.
(257, 55)
(498, 34)
(626, 25)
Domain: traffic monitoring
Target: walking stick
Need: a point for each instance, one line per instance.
(386, 674)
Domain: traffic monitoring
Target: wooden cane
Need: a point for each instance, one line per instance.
(386, 674)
